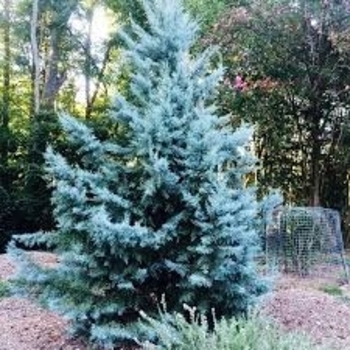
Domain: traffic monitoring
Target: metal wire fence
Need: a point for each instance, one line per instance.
(306, 241)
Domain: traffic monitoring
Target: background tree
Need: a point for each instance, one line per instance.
(5, 133)
(208, 12)
(288, 73)
(50, 54)
(41, 57)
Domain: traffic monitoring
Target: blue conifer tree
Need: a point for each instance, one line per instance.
(165, 211)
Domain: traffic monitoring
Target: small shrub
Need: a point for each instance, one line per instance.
(332, 290)
(175, 332)
(4, 289)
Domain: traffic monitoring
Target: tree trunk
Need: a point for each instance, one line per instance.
(55, 78)
(88, 58)
(316, 177)
(35, 56)
(5, 112)
(6, 84)
(91, 102)
(315, 172)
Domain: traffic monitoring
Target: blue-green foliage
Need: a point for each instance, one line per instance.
(193, 331)
(165, 212)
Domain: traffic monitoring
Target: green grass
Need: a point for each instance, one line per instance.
(4, 289)
(332, 290)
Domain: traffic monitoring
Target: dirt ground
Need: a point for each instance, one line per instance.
(320, 308)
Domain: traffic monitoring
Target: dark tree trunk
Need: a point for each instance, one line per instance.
(315, 161)
(35, 73)
(88, 58)
(55, 77)
(316, 177)
(5, 117)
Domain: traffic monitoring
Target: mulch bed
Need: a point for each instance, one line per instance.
(296, 304)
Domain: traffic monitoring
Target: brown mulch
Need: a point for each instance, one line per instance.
(295, 304)
(322, 317)
(7, 269)
(24, 325)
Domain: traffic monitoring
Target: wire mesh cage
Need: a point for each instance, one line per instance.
(306, 241)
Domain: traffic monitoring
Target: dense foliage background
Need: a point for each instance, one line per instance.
(287, 72)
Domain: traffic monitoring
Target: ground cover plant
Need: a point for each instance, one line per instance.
(4, 289)
(253, 333)
(162, 210)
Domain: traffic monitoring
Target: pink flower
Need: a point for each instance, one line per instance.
(239, 84)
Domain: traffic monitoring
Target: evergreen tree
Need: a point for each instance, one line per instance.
(165, 211)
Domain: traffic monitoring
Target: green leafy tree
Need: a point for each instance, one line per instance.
(288, 73)
(208, 12)
(11, 124)
(41, 56)
(49, 44)
(165, 212)
(128, 9)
